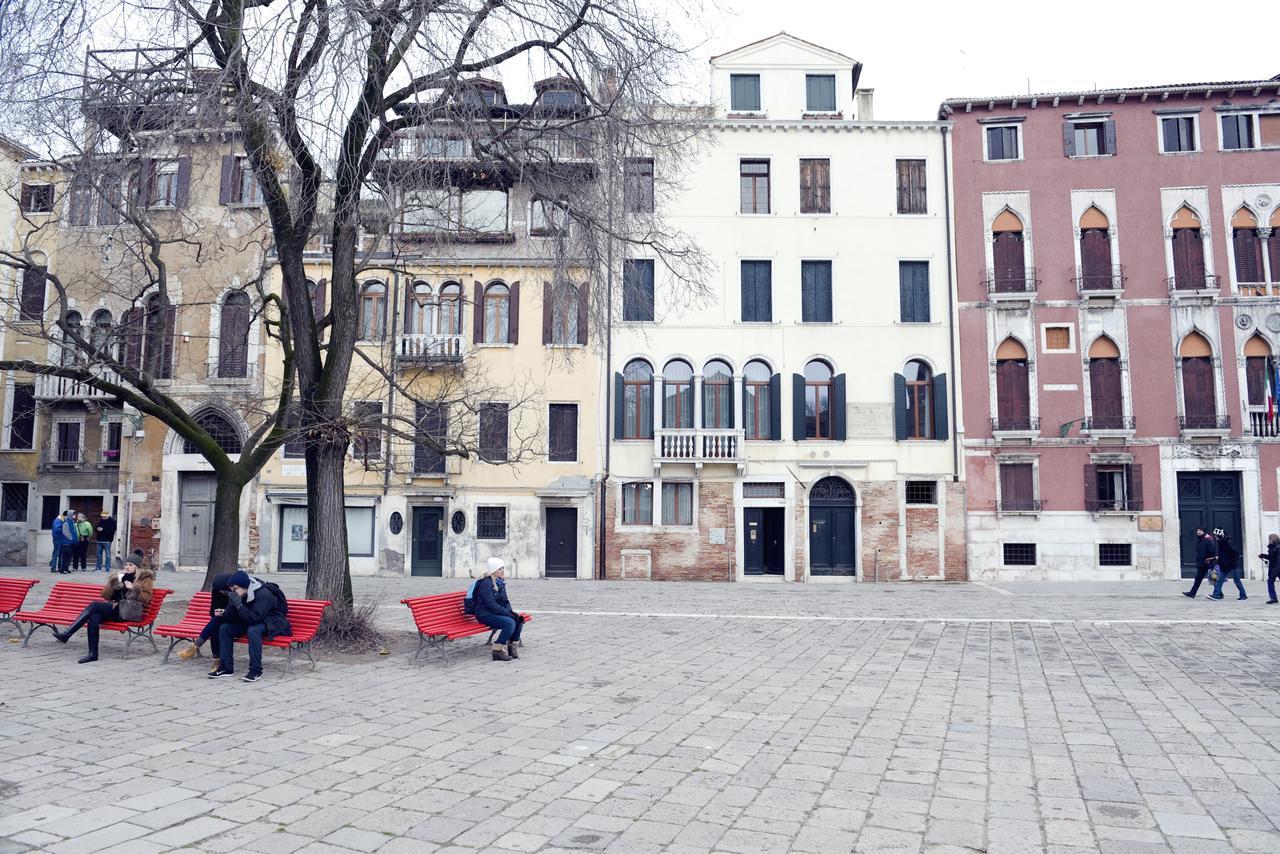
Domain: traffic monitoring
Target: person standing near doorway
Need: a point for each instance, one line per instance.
(106, 534)
(1272, 557)
(84, 530)
(1228, 565)
(1206, 558)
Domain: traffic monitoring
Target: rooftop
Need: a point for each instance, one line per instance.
(1182, 91)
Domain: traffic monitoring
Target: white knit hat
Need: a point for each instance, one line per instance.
(495, 564)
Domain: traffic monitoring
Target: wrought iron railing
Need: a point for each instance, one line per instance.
(1014, 424)
(1021, 505)
(1124, 504)
(1100, 280)
(1109, 422)
(1194, 282)
(1204, 422)
(1011, 281)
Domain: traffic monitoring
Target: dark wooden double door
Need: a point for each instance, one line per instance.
(1207, 500)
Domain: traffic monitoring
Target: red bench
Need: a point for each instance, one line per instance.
(440, 619)
(12, 592)
(304, 620)
(67, 599)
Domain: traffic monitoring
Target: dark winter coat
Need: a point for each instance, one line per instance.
(106, 529)
(1206, 551)
(258, 606)
(491, 600)
(1228, 556)
(1273, 559)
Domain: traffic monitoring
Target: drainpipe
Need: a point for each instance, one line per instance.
(951, 311)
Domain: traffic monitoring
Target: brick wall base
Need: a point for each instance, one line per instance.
(675, 553)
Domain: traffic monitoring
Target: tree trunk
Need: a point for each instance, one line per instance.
(328, 571)
(224, 551)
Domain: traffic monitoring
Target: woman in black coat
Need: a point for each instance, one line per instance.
(494, 610)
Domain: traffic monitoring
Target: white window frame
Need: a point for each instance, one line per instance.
(244, 169)
(693, 503)
(1195, 121)
(165, 168)
(759, 111)
(106, 433)
(1044, 337)
(986, 151)
(53, 438)
(1253, 120)
(1100, 119)
(373, 529)
(835, 107)
(654, 487)
(7, 426)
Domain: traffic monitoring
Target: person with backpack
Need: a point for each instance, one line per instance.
(106, 534)
(125, 597)
(256, 610)
(1206, 559)
(217, 607)
(489, 603)
(1229, 566)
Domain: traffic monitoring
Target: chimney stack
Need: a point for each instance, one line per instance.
(862, 105)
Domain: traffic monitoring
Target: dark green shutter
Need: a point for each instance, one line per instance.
(940, 406)
(838, 408)
(797, 407)
(900, 429)
(775, 407)
(619, 407)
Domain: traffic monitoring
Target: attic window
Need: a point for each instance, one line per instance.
(559, 98)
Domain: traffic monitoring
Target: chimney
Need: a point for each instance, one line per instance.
(862, 104)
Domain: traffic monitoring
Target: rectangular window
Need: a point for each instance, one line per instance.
(1269, 130)
(36, 198)
(31, 301)
(1057, 338)
(1115, 554)
(1237, 131)
(815, 291)
(912, 195)
(1019, 554)
(754, 186)
(1017, 488)
(245, 189)
(1114, 488)
(820, 93)
(549, 217)
(13, 502)
(637, 290)
(359, 531)
(1003, 143)
(764, 490)
(637, 185)
(744, 93)
(430, 211)
(484, 211)
(165, 191)
(66, 441)
(913, 291)
(677, 503)
(757, 291)
(491, 523)
(922, 492)
(431, 424)
(1090, 139)
(111, 434)
(562, 433)
(637, 503)
(1178, 134)
(22, 418)
(815, 185)
(493, 432)
(366, 445)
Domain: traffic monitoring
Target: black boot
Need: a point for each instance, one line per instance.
(93, 656)
(65, 635)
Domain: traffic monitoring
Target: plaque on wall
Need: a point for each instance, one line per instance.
(1150, 523)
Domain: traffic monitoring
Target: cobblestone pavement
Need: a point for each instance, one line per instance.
(678, 718)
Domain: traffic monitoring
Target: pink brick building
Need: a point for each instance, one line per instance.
(1118, 266)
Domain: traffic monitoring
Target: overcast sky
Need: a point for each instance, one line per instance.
(916, 53)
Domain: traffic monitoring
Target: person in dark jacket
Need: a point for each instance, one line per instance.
(137, 586)
(64, 540)
(494, 610)
(1272, 557)
(252, 611)
(217, 606)
(1206, 557)
(1228, 565)
(106, 534)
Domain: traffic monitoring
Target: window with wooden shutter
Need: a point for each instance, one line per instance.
(430, 425)
(1010, 262)
(815, 185)
(637, 290)
(1248, 252)
(757, 291)
(820, 93)
(1003, 143)
(1255, 375)
(36, 198)
(158, 344)
(1095, 259)
(1105, 396)
(21, 432)
(1178, 134)
(1198, 393)
(493, 432)
(744, 93)
(1188, 259)
(919, 414)
(637, 185)
(912, 197)
(815, 291)
(1017, 487)
(562, 433)
(1237, 131)
(31, 305)
(366, 443)
(1013, 398)
(233, 336)
(913, 291)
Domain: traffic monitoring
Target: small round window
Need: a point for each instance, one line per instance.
(396, 522)
(458, 521)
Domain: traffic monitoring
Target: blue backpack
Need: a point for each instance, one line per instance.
(469, 601)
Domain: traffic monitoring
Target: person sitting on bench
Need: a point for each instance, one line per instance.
(254, 611)
(124, 599)
(493, 609)
(217, 605)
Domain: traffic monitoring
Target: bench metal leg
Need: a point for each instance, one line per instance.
(132, 633)
(422, 646)
(8, 618)
(26, 639)
(172, 643)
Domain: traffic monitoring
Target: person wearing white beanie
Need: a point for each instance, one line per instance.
(494, 610)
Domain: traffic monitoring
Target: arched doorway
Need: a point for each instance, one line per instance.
(833, 514)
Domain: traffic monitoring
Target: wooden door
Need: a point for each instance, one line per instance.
(428, 542)
(1207, 500)
(196, 494)
(562, 542)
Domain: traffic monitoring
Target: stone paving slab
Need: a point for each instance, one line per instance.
(679, 718)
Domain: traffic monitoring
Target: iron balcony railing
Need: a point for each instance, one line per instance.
(1100, 280)
(1109, 422)
(1123, 504)
(1021, 505)
(1011, 281)
(1193, 282)
(1204, 422)
(1015, 424)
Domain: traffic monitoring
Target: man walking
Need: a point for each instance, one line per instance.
(1229, 565)
(106, 532)
(1206, 558)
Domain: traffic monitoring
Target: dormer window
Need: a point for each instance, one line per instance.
(820, 93)
(559, 98)
(478, 93)
(744, 93)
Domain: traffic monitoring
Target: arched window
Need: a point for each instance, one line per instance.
(497, 314)
(158, 354)
(233, 336)
(636, 400)
(1096, 271)
(1248, 250)
(449, 319)
(817, 400)
(373, 311)
(1007, 254)
(220, 429)
(677, 394)
(1105, 396)
(1013, 391)
(421, 306)
(717, 395)
(919, 400)
(564, 314)
(758, 404)
(100, 335)
(1199, 388)
(1188, 251)
(1257, 369)
(70, 351)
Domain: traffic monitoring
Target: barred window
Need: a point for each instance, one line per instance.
(13, 502)
(1019, 554)
(922, 492)
(491, 523)
(1115, 554)
(764, 490)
